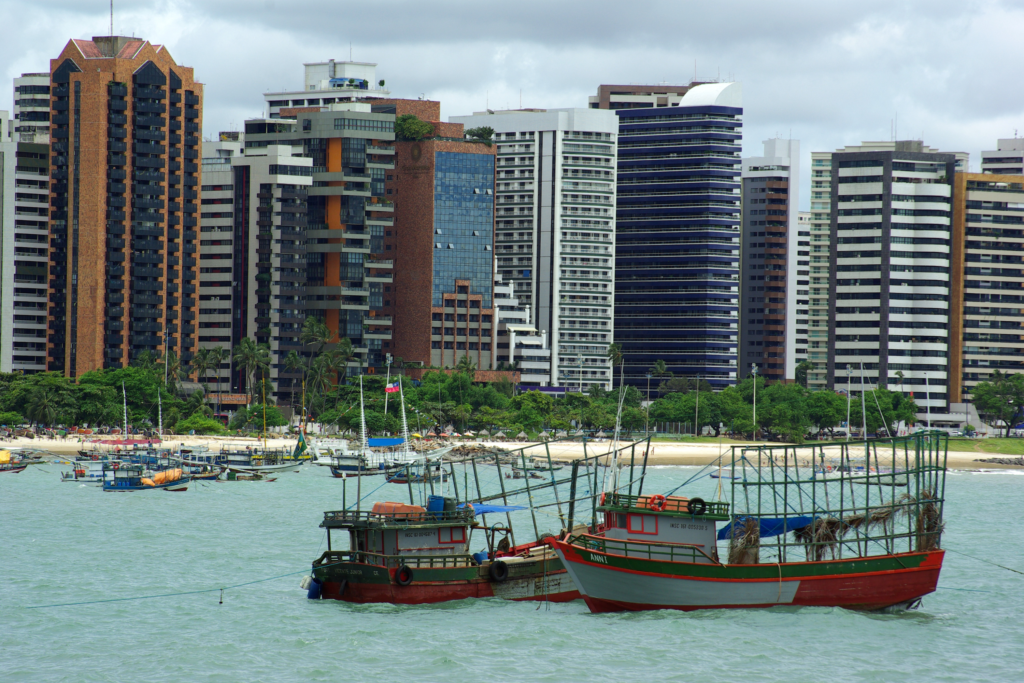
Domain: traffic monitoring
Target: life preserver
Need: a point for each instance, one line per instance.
(403, 577)
(602, 499)
(697, 506)
(656, 503)
(498, 571)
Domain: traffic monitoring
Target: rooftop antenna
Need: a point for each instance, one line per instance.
(350, 50)
(111, 17)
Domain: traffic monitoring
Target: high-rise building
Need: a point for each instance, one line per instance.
(819, 221)
(348, 269)
(252, 257)
(677, 236)
(31, 108)
(327, 83)
(555, 229)
(24, 211)
(442, 244)
(987, 317)
(637, 96)
(891, 232)
(519, 344)
(1008, 159)
(775, 279)
(124, 129)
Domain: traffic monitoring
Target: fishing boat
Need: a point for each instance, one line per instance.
(868, 539)
(131, 477)
(231, 475)
(408, 554)
(86, 472)
(6, 464)
(258, 459)
(418, 473)
(540, 465)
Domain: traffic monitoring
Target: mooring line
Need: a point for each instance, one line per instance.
(994, 564)
(168, 595)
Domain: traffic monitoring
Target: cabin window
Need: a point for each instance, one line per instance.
(620, 521)
(454, 534)
(643, 524)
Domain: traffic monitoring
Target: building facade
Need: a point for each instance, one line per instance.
(987, 299)
(442, 243)
(555, 230)
(891, 259)
(819, 222)
(775, 277)
(31, 108)
(327, 83)
(347, 265)
(125, 120)
(519, 345)
(1007, 159)
(24, 222)
(677, 241)
(637, 96)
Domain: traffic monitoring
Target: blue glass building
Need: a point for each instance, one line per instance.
(677, 236)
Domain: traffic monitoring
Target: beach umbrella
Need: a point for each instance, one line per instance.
(484, 432)
(500, 435)
(579, 432)
(601, 434)
(521, 435)
(468, 433)
(561, 433)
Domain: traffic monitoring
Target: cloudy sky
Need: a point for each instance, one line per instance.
(827, 73)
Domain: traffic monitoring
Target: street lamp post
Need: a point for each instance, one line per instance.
(647, 420)
(696, 411)
(849, 394)
(927, 404)
(753, 370)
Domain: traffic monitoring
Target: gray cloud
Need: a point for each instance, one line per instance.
(832, 73)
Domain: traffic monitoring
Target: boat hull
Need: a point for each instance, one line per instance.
(180, 485)
(364, 583)
(615, 583)
(14, 469)
(267, 469)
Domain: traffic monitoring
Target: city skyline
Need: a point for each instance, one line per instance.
(826, 76)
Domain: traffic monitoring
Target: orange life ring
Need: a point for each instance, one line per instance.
(656, 503)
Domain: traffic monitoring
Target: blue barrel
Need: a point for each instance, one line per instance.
(480, 557)
(435, 504)
(313, 593)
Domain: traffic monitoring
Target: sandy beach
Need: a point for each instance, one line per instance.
(662, 453)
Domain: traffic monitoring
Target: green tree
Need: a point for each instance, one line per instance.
(201, 425)
(675, 385)
(467, 366)
(254, 360)
(480, 133)
(293, 363)
(826, 409)
(660, 369)
(253, 418)
(1001, 399)
(45, 405)
(11, 418)
(409, 127)
(802, 368)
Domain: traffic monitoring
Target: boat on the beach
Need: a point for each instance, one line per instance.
(132, 477)
(7, 463)
(408, 554)
(866, 539)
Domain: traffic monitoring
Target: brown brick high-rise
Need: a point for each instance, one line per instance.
(125, 181)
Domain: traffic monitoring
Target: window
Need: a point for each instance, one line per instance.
(449, 345)
(643, 524)
(364, 124)
(307, 124)
(454, 534)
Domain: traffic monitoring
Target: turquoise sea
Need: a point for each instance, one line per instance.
(64, 543)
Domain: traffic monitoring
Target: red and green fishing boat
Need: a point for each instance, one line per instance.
(864, 537)
(408, 554)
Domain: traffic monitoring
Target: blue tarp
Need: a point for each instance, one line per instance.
(481, 509)
(385, 442)
(769, 526)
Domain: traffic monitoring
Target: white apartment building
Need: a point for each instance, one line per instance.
(328, 83)
(519, 344)
(555, 229)
(24, 251)
(819, 222)
(891, 263)
(31, 108)
(1007, 159)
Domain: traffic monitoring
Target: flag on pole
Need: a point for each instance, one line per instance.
(392, 388)
(300, 446)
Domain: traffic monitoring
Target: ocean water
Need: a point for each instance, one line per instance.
(64, 543)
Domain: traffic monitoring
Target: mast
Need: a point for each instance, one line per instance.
(614, 464)
(387, 382)
(365, 446)
(160, 407)
(405, 425)
(124, 397)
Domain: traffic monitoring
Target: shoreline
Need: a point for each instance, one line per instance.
(697, 454)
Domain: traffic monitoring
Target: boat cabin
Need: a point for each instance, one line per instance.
(649, 526)
(121, 475)
(395, 534)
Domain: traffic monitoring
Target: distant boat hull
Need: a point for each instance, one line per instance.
(365, 583)
(263, 469)
(13, 469)
(180, 485)
(616, 583)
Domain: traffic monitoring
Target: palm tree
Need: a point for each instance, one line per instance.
(660, 369)
(43, 406)
(253, 359)
(344, 352)
(173, 370)
(615, 356)
(315, 331)
(199, 365)
(293, 363)
(216, 359)
(146, 360)
(318, 379)
(466, 365)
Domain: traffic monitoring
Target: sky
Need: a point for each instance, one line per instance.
(828, 74)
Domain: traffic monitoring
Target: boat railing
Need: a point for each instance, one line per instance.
(395, 561)
(672, 504)
(341, 518)
(652, 550)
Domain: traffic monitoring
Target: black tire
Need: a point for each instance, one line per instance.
(403, 577)
(697, 506)
(498, 571)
